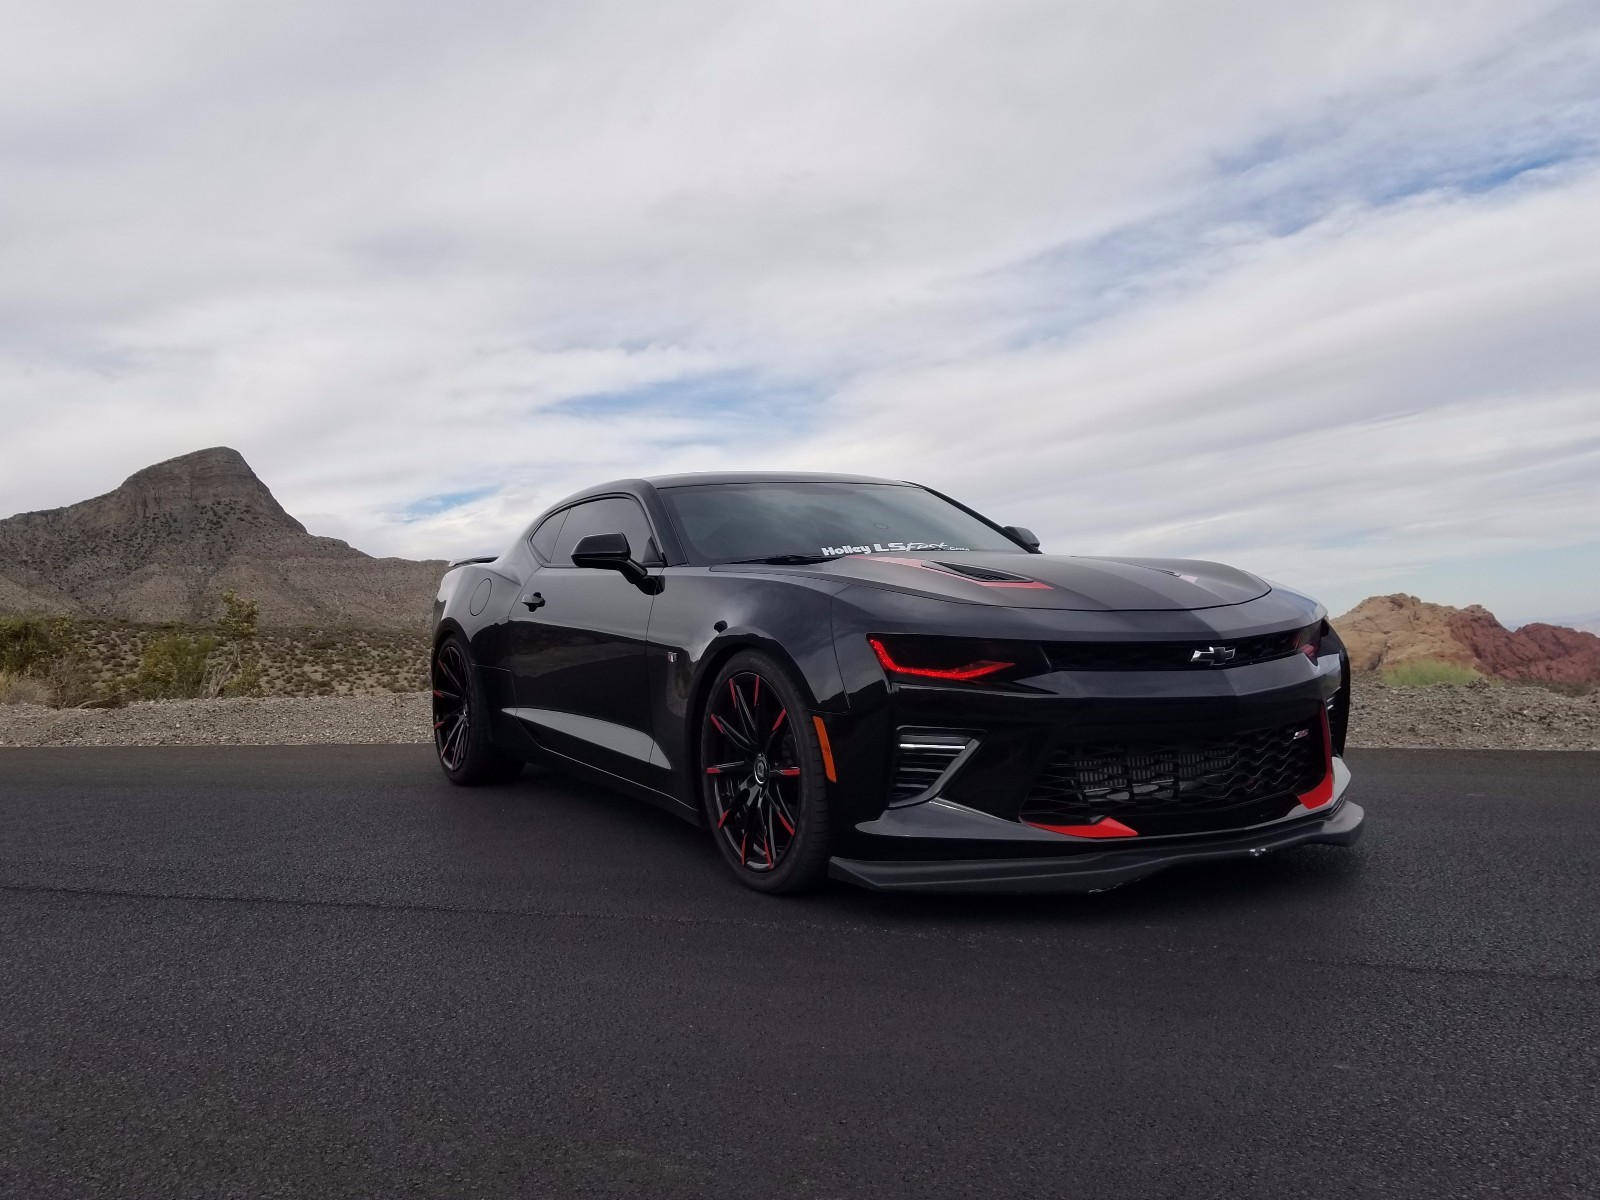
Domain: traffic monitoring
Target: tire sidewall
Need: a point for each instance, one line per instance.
(483, 762)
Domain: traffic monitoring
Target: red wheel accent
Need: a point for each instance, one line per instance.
(755, 780)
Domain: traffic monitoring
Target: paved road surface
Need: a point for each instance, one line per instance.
(322, 971)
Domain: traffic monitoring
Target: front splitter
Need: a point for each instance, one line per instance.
(1092, 871)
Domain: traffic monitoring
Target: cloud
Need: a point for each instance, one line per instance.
(1375, 393)
(432, 506)
(1308, 287)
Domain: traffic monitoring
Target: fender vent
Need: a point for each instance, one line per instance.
(924, 760)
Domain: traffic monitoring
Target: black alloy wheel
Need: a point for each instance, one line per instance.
(452, 706)
(460, 730)
(763, 788)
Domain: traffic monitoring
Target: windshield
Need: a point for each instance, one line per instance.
(729, 522)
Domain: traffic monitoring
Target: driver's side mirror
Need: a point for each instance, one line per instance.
(611, 552)
(1025, 536)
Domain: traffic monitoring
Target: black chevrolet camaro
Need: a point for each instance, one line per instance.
(861, 678)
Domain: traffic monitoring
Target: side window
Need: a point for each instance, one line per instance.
(613, 514)
(544, 537)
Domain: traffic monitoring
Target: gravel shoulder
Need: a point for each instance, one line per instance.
(1478, 717)
(268, 721)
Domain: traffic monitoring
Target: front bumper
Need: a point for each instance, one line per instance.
(1087, 870)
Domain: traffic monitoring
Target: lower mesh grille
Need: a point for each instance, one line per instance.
(1241, 780)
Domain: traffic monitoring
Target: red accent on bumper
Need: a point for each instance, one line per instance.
(1105, 827)
(1323, 792)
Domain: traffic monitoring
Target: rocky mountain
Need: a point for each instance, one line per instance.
(164, 545)
(1386, 631)
(1583, 622)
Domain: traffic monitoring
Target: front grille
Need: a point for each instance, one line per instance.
(1170, 656)
(1184, 787)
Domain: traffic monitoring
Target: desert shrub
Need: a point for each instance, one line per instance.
(71, 681)
(241, 618)
(23, 689)
(1427, 672)
(28, 645)
(44, 661)
(175, 667)
(239, 673)
(246, 680)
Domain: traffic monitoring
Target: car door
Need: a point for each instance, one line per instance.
(577, 645)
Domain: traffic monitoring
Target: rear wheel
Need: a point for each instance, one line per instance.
(762, 783)
(460, 720)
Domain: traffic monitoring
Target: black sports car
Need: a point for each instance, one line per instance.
(863, 678)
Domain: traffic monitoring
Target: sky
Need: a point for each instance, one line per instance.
(1311, 289)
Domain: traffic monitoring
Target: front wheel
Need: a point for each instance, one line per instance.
(461, 720)
(762, 785)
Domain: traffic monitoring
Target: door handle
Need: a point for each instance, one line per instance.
(533, 600)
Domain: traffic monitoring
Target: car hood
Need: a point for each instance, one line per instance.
(1052, 581)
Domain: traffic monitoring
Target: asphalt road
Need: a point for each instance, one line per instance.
(323, 971)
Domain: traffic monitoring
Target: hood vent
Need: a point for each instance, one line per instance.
(981, 574)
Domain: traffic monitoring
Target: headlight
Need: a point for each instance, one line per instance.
(1309, 640)
(956, 660)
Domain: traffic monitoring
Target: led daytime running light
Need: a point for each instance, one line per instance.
(971, 671)
(1311, 647)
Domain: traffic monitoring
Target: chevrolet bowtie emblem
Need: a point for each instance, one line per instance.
(1212, 655)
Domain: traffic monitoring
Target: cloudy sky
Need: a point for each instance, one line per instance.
(1314, 289)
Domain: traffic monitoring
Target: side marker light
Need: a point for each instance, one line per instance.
(827, 749)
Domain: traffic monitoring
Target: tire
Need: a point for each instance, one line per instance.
(460, 720)
(762, 787)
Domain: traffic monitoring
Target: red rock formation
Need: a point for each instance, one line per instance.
(1386, 631)
(1534, 653)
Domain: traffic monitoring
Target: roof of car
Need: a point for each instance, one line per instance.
(701, 477)
(633, 486)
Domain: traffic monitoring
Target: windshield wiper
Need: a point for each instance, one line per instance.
(788, 560)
